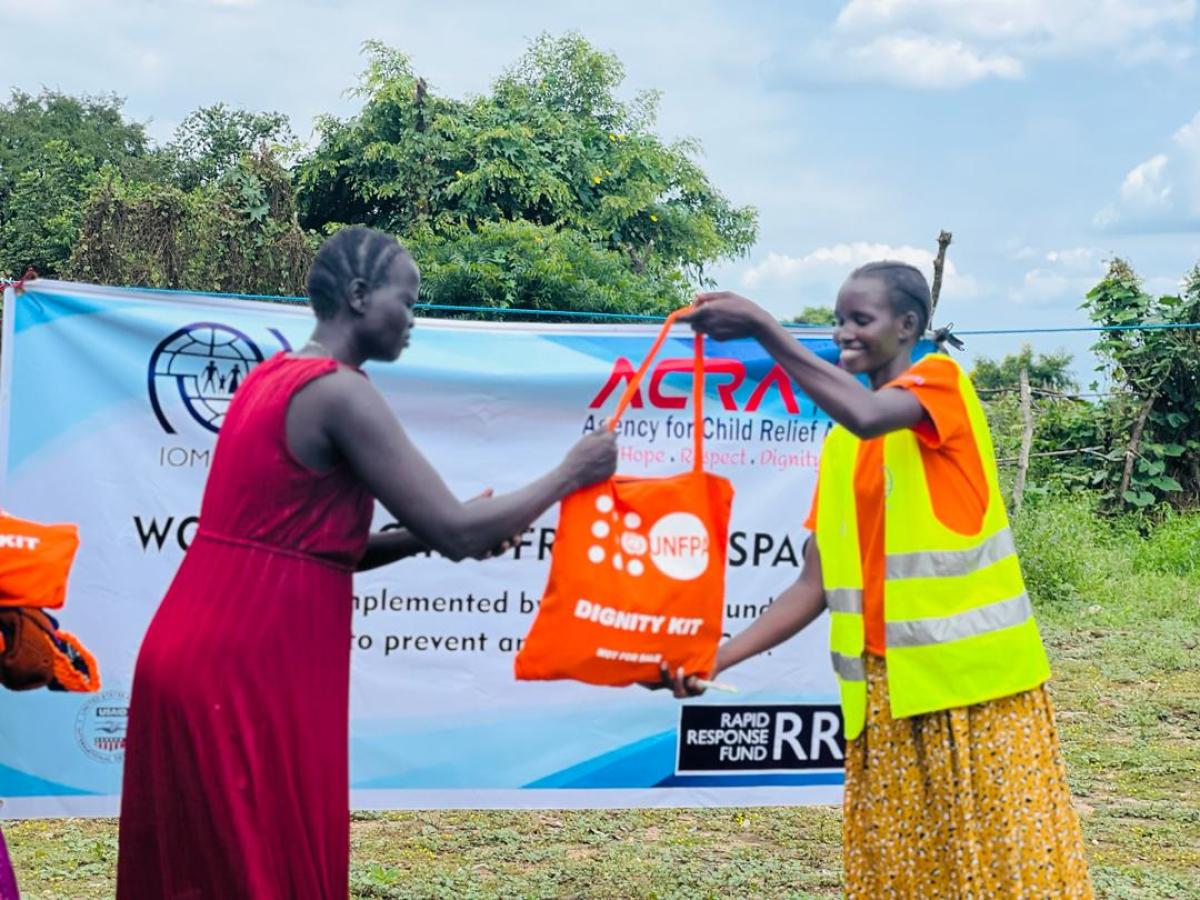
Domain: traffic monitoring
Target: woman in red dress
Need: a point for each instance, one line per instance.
(8, 881)
(236, 766)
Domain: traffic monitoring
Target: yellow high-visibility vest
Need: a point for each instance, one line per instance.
(958, 623)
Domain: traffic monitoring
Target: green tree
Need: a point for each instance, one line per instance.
(817, 316)
(237, 233)
(1062, 422)
(1048, 371)
(1154, 415)
(526, 265)
(51, 146)
(213, 140)
(549, 175)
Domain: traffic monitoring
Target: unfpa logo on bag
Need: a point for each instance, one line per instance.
(195, 371)
(677, 544)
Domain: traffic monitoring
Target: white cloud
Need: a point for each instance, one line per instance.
(1074, 258)
(1145, 187)
(947, 44)
(1061, 279)
(150, 62)
(27, 11)
(1161, 193)
(829, 266)
(1024, 251)
(1051, 287)
(923, 62)
(1106, 217)
(1155, 51)
(1034, 27)
(1162, 284)
(906, 59)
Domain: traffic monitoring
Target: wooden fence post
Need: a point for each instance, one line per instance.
(939, 262)
(1018, 493)
(1135, 441)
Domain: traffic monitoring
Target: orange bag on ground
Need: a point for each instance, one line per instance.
(34, 562)
(637, 573)
(35, 652)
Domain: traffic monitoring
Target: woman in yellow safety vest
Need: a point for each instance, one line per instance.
(955, 785)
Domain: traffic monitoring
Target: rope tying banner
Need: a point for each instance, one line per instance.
(19, 285)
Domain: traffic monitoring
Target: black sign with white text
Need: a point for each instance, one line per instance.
(760, 738)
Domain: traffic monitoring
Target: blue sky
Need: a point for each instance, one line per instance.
(1048, 136)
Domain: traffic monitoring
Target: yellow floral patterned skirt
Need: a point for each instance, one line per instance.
(966, 803)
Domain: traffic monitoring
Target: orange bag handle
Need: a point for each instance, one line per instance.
(697, 387)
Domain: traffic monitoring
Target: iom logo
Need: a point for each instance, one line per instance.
(196, 370)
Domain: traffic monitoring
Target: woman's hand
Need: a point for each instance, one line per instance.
(680, 685)
(726, 316)
(792, 611)
(504, 546)
(592, 459)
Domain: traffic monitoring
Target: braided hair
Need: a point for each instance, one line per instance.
(353, 253)
(907, 289)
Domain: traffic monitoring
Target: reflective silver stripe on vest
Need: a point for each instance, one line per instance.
(993, 617)
(848, 668)
(844, 600)
(950, 563)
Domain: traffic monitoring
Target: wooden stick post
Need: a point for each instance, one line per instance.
(1135, 441)
(1018, 493)
(939, 262)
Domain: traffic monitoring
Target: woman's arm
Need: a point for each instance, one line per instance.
(384, 547)
(792, 612)
(394, 543)
(863, 412)
(363, 430)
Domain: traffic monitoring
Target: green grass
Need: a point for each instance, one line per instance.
(1120, 611)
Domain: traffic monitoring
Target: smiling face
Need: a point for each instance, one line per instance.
(869, 332)
(387, 317)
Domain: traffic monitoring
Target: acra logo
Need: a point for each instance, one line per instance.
(734, 375)
(195, 371)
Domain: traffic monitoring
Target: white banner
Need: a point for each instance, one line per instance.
(111, 404)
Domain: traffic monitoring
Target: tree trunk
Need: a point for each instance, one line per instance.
(1135, 440)
(1018, 493)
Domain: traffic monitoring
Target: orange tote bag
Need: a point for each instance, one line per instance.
(34, 562)
(637, 573)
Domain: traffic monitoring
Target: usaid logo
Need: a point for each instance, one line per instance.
(195, 371)
(101, 724)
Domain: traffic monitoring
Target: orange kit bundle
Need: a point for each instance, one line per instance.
(637, 576)
(34, 562)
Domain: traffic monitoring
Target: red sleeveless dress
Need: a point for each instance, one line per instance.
(237, 762)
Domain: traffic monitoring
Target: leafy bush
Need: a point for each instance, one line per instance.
(235, 234)
(1068, 551)
(1171, 547)
(1156, 373)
